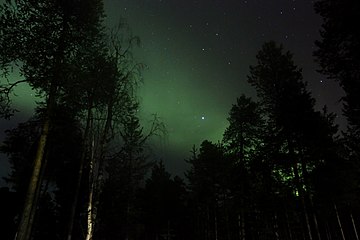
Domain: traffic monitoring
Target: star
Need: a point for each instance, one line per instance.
(202, 118)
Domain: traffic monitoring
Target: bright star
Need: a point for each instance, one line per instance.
(203, 118)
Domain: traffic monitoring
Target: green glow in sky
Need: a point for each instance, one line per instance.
(198, 54)
(190, 82)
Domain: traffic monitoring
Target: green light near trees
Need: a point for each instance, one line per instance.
(25, 99)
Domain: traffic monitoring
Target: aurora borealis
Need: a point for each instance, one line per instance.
(198, 55)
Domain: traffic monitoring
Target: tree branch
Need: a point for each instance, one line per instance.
(7, 89)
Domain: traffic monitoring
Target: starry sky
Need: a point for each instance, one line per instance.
(198, 55)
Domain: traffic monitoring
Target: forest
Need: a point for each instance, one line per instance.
(80, 169)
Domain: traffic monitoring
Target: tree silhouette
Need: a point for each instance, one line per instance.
(62, 157)
(242, 140)
(338, 56)
(210, 183)
(295, 129)
(242, 135)
(42, 36)
(338, 51)
(162, 203)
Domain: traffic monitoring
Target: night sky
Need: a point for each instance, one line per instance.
(198, 54)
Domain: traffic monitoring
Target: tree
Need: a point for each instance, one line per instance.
(210, 183)
(162, 203)
(338, 56)
(242, 140)
(125, 169)
(41, 37)
(339, 50)
(126, 166)
(114, 122)
(243, 134)
(296, 135)
(99, 82)
(59, 168)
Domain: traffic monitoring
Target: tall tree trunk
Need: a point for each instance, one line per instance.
(328, 233)
(30, 200)
(207, 226)
(302, 200)
(37, 195)
(241, 224)
(216, 225)
(339, 222)
(95, 175)
(276, 227)
(90, 208)
(316, 225)
(354, 226)
(288, 225)
(226, 208)
(79, 176)
(299, 187)
(90, 220)
(313, 212)
(30, 204)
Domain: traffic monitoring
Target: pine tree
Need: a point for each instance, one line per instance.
(295, 129)
(244, 131)
(242, 139)
(210, 182)
(338, 54)
(339, 50)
